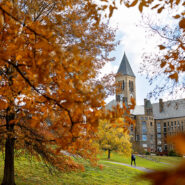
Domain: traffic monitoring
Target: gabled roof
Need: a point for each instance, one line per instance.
(171, 109)
(138, 110)
(125, 68)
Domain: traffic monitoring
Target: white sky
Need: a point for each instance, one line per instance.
(134, 41)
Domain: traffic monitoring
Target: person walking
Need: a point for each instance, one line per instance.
(133, 159)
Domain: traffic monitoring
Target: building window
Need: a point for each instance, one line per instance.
(142, 118)
(131, 86)
(131, 128)
(125, 100)
(144, 137)
(158, 128)
(171, 126)
(146, 118)
(159, 142)
(159, 136)
(137, 137)
(151, 137)
(150, 123)
(118, 98)
(178, 124)
(145, 145)
(159, 149)
(144, 129)
(164, 127)
(123, 85)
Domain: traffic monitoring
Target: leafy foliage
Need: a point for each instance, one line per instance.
(50, 55)
(112, 137)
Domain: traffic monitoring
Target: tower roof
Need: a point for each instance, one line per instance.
(125, 68)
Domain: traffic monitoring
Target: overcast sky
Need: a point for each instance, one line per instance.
(134, 41)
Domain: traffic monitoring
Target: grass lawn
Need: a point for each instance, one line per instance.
(141, 161)
(166, 159)
(28, 171)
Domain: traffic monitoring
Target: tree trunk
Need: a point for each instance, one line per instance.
(8, 178)
(109, 154)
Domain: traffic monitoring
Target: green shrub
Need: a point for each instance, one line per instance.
(172, 153)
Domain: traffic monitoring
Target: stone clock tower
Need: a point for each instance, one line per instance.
(125, 80)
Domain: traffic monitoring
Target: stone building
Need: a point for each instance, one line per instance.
(154, 122)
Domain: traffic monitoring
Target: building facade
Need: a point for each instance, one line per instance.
(154, 122)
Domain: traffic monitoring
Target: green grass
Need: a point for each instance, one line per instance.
(110, 175)
(166, 159)
(28, 171)
(141, 161)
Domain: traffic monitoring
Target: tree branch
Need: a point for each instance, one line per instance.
(34, 88)
(21, 23)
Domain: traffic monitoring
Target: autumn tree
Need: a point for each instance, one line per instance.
(111, 137)
(50, 54)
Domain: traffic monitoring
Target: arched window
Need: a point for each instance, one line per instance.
(123, 85)
(131, 86)
(118, 98)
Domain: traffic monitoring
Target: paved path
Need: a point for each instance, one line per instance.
(135, 167)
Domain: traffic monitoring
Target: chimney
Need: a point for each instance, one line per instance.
(161, 105)
(145, 100)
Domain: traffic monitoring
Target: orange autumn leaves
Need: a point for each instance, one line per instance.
(50, 55)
